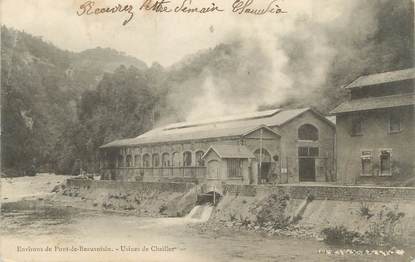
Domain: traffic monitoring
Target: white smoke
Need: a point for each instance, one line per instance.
(276, 63)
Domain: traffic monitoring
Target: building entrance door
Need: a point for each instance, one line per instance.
(307, 163)
(263, 172)
(307, 169)
(263, 158)
(213, 169)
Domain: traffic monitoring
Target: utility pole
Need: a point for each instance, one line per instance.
(260, 156)
(214, 195)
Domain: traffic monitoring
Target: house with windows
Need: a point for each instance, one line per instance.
(375, 135)
(273, 146)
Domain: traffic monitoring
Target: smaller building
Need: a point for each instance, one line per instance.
(375, 135)
(227, 163)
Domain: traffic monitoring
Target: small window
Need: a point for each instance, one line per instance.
(165, 159)
(155, 160)
(308, 151)
(394, 122)
(234, 167)
(366, 158)
(356, 128)
(303, 151)
(313, 151)
(146, 160)
(187, 158)
(385, 163)
(128, 160)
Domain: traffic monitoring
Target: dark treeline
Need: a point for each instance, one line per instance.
(58, 106)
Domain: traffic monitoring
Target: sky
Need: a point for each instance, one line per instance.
(152, 37)
(281, 58)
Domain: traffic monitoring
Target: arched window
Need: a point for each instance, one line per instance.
(175, 159)
(128, 160)
(265, 156)
(155, 160)
(146, 160)
(165, 159)
(120, 161)
(308, 132)
(137, 160)
(199, 161)
(187, 158)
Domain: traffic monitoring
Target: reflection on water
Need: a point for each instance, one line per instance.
(35, 210)
(37, 217)
(42, 218)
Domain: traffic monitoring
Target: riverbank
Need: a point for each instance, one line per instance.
(78, 235)
(282, 213)
(140, 199)
(30, 187)
(147, 201)
(338, 222)
(294, 211)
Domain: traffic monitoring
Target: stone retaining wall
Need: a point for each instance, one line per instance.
(123, 185)
(329, 192)
(321, 192)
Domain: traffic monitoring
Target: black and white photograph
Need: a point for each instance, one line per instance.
(207, 130)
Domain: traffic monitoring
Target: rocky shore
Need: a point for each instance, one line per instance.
(30, 187)
(335, 222)
(148, 203)
(345, 222)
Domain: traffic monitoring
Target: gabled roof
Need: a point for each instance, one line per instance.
(375, 103)
(233, 117)
(382, 78)
(261, 127)
(331, 119)
(230, 151)
(195, 134)
(231, 127)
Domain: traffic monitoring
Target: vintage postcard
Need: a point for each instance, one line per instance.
(207, 130)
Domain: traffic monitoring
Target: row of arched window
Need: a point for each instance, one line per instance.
(305, 132)
(166, 160)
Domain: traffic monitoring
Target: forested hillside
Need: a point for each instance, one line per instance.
(59, 106)
(42, 87)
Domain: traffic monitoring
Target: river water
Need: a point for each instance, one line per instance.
(37, 231)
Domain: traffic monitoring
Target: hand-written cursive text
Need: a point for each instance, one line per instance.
(87, 8)
(245, 7)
